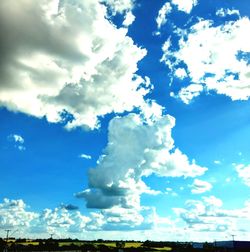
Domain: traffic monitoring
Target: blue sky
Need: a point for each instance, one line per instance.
(125, 119)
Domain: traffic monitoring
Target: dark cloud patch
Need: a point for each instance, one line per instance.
(70, 207)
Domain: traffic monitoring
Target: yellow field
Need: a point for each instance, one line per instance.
(164, 249)
(29, 243)
(127, 244)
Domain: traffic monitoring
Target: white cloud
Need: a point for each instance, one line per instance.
(162, 14)
(18, 141)
(244, 173)
(85, 156)
(88, 74)
(17, 138)
(207, 215)
(135, 149)
(124, 7)
(200, 186)
(180, 73)
(187, 94)
(199, 218)
(119, 6)
(63, 222)
(220, 65)
(182, 5)
(185, 5)
(227, 12)
(218, 162)
(129, 19)
(169, 191)
(13, 214)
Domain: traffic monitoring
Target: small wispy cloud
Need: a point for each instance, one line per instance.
(243, 173)
(18, 141)
(85, 156)
(217, 162)
(200, 186)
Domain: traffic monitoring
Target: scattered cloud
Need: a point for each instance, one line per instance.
(162, 14)
(243, 173)
(88, 74)
(167, 8)
(200, 186)
(227, 12)
(169, 191)
(207, 215)
(222, 65)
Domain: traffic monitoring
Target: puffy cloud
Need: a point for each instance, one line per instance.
(13, 214)
(135, 148)
(222, 65)
(18, 141)
(161, 18)
(200, 216)
(185, 5)
(118, 218)
(87, 74)
(64, 222)
(244, 173)
(200, 186)
(61, 221)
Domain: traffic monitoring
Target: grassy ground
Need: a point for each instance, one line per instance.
(108, 244)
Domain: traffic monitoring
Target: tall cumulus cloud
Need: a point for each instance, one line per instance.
(135, 149)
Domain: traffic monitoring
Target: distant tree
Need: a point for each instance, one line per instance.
(88, 247)
(103, 248)
(147, 243)
(120, 244)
